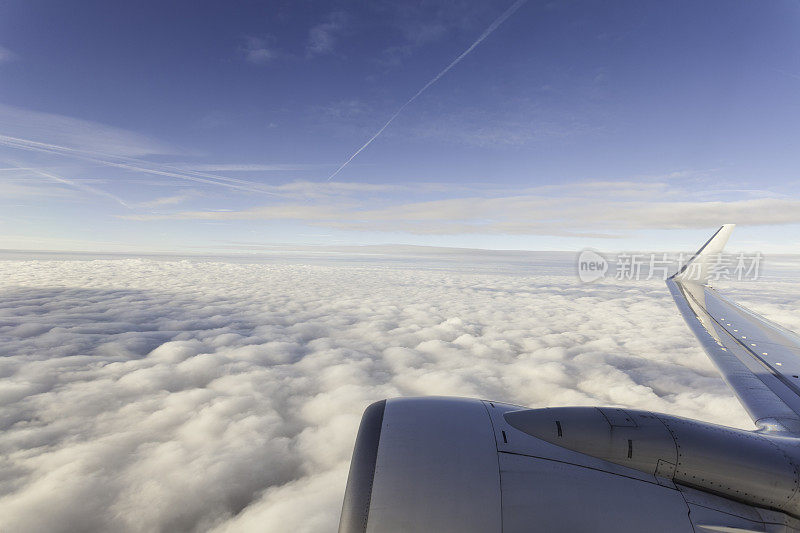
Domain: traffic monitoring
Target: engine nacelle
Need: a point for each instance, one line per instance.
(456, 465)
(750, 467)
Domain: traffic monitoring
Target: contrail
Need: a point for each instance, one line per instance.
(81, 186)
(129, 163)
(493, 26)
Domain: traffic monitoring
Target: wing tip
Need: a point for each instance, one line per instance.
(697, 269)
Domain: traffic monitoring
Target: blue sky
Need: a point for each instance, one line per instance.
(213, 126)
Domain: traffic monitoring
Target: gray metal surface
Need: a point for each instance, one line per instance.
(710, 511)
(541, 495)
(760, 470)
(436, 469)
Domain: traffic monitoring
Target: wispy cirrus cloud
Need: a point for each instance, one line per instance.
(6, 55)
(131, 164)
(322, 38)
(81, 186)
(486, 33)
(259, 50)
(420, 24)
(164, 201)
(246, 167)
(23, 187)
(74, 133)
(602, 209)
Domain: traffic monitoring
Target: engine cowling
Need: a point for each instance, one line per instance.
(743, 465)
(456, 465)
(428, 465)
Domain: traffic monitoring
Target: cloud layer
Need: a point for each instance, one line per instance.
(589, 209)
(143, 395)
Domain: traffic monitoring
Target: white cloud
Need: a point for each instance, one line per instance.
(143, 395)
(260, 55)
(15, 187)
(6, 55)
(258, 50)
(322, 38)
(169, 200)
(424, 23)
(603, 209)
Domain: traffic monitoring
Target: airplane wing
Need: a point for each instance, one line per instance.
(758, 359)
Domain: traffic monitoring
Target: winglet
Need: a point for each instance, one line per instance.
(698, 268)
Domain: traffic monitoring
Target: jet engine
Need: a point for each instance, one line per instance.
(462, 465)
